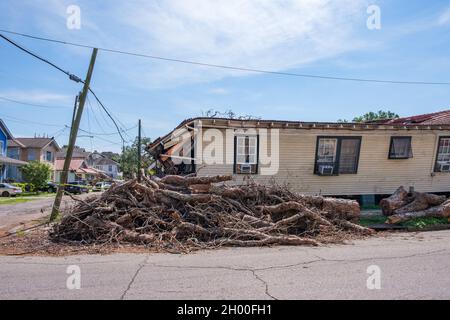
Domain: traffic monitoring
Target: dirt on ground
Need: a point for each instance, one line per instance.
(36, 242)
(22, 215)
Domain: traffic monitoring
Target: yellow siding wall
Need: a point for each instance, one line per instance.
(376, 173)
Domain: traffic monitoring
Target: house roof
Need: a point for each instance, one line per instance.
(8, 160)
(437, 121)
(75, 164)
(15, 143)
(5, 129)
(436, 118)
(32, 142)
(77, 153)
(104, 161)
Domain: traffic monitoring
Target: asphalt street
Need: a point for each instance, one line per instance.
(410, 266)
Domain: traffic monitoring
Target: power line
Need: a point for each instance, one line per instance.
(14, 119)
(95, 117)
(99, 134)
(32, 104)
(59, 132)
(108, 113)
(70, 75)
(89, 127)
(235, 68)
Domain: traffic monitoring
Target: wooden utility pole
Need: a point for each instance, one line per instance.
(74, 111)
(139, 175)
(73, 138)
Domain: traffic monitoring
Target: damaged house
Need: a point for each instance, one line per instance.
(361, 160)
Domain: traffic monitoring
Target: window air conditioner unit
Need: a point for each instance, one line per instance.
(326, 170)
(444, 167)
(246, 168)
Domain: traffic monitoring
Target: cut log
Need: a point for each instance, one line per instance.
(341, 208)
(441, 211)
(183, 181)
(191, 198)
(397, 200)
(200, 188)
(421, 202)
(282, 208)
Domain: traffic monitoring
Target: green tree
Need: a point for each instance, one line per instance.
(128, 160)
(36, 174)
(380, 115)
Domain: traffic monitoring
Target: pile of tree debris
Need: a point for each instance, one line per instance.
(402, 206)
(180, 214)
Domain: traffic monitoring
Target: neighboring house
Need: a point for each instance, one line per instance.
(32, 149)
(363, 160)
(88, 166)
(78, 153)
(102, 162)
(6, 163)
(78, 171)
(110, 167)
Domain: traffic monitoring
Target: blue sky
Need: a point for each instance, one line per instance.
(320, 37)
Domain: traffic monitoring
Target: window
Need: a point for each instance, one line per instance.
(13, 153)
(110, 168)
(337, 155)
(400, 148)
(31, 155)
(246, 154)
(49, 156)
(1, 147)
(443, 155)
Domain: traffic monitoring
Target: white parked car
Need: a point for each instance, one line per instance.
(101, 186)
(7, 190)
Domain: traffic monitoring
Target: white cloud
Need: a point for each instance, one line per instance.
(260, 34)
(38, 97)
(272, 35)
(444, 19)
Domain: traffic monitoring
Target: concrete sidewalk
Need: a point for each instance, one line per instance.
(413, 266)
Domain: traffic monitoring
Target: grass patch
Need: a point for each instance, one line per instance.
(34, 194)
(369, 220)
(14, 200)
(418, 223)
(421, 223)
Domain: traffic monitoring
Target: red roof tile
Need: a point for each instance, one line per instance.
(74, 164)
(436, 118)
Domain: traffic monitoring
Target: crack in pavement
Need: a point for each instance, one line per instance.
(141, 265)
(243, 269)
(319, 259)
(265, 284)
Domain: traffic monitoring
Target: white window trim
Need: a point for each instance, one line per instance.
(446, 148)
(324, 156)
(240, 143)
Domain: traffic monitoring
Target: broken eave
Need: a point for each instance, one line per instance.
(225, 123)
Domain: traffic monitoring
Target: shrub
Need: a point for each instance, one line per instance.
(36, 174)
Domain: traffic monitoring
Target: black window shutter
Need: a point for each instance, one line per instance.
(235, 154)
